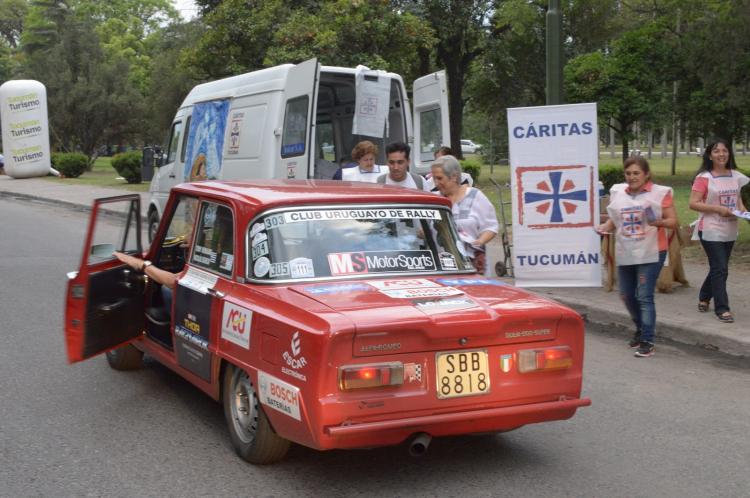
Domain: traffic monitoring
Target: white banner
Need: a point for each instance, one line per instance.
(371, 103)
(554, 166)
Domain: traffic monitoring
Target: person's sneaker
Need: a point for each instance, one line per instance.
(645, 349)
(635, 341)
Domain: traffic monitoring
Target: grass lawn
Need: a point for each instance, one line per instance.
(101, 175)
(660, 168)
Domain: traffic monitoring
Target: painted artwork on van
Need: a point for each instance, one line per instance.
(206, 140)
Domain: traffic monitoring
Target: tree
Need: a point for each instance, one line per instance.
(715, 55)
(12, 14)
(461, 27)
(91, 100)
(383, 39)
(627, 83)
(169, 80)
(239, 39)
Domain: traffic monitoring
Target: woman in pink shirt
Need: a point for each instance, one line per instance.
(715, 195)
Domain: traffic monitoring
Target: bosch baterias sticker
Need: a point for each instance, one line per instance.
(279, 395)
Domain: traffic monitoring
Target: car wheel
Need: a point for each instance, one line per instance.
(153, 225)
(252, 435)
(126, 357)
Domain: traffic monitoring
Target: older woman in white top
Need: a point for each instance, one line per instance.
(475, 215)
(366, 170)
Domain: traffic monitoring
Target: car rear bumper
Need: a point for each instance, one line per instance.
(388, 432)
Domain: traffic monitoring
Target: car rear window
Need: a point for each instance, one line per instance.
(347, 241)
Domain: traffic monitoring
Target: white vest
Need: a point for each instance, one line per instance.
(722, 191)
(357, 175)
(636, 241)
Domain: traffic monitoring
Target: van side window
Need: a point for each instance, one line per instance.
(432, 133)
(293, 140)
(214, 242)
(173, 141)
(184, 141)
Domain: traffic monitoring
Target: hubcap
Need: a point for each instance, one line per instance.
(244, 407)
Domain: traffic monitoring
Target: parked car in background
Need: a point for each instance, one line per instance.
(469, 147)
(324, 316)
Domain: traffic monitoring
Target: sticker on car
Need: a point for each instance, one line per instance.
(236, 323)
(348, 263)
(279, 395)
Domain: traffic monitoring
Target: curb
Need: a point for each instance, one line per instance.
(81, 208)
(44, 200)
(619, 322)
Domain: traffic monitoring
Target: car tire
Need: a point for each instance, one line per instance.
(126, 357)
(252, 436)
(153, 225)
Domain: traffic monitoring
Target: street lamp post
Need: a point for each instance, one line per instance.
(554, 88)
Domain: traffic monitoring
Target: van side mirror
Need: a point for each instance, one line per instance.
(159, 156)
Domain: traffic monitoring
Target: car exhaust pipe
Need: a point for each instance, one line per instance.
(419, 444)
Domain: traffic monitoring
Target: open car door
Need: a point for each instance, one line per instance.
(297, 134)
(431, 125)
(104, 300)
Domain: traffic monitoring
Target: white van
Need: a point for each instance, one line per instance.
(297, 121)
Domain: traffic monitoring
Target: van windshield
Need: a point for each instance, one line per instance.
(335, 242)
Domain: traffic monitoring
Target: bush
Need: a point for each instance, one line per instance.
(609, 175)
(70, 164)
(472, 167)
(128, 165)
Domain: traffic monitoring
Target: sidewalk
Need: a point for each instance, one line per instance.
(677, 316)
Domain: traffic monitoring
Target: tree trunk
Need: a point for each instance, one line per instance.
(455, 78)
(675, 144)
(664, 142)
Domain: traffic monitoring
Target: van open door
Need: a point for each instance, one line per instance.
(431, 125)
(298, 121)
(104, 301)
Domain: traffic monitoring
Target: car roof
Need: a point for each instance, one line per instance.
(284, 192)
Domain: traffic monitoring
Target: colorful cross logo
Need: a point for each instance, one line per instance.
(728, 200)
(555, 196)
(632, 222)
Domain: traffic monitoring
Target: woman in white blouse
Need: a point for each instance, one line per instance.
(475, 215)
(364, 154)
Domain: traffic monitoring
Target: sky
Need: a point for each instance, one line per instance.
(187, 8)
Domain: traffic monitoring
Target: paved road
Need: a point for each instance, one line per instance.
(676, 424)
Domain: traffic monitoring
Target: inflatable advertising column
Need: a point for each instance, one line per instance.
(23, 114)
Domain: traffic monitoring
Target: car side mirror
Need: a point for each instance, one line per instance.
(102, 251)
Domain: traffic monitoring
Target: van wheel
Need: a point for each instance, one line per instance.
(252, 435)
(126, 357)
(153, 225)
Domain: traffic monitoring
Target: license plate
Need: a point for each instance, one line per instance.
(462, 373)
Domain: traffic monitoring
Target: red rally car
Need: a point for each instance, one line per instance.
(329, 314)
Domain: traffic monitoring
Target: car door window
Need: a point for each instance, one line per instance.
(214, 241)
(173, 249)
(115, 229)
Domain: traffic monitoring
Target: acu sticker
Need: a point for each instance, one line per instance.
(236, 323)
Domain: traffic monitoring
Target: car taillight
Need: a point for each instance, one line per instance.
(539, 360)
(371, 375)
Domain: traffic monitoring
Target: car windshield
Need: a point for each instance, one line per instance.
(347, 241)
